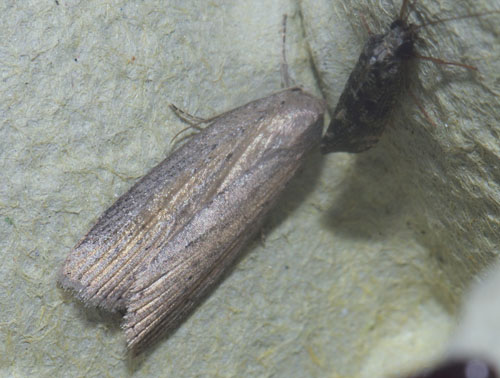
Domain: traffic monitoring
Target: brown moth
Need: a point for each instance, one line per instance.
(373, 87)
(162, 245)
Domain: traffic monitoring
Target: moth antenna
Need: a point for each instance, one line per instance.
(441, 20)
(285, 77)
(403, 12)
(416, 11)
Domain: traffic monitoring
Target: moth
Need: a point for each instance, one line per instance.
(162, 245)
(374, 85)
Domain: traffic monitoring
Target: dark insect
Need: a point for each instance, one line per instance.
(374, 85)
(459, 369)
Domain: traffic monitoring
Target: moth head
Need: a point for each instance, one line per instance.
(406, 35)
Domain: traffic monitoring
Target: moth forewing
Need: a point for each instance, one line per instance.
(163, 244)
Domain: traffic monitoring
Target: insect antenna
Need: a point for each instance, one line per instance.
(442, 20)
(285, 77)
(404, 13)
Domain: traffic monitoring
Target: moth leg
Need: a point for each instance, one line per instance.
(421, 107)
(437, 61)
(441, 61)
(193, 121)
(365, 25)
(188, 118)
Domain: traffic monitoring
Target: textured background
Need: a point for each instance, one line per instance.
(361, 267)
